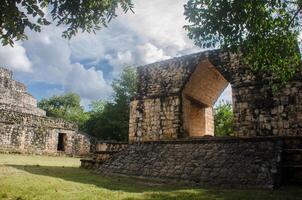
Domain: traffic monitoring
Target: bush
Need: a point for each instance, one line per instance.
(223, 119)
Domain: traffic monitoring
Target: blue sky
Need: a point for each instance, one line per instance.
(86, 64)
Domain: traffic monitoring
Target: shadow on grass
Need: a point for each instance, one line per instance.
(153, 190)
(282, 194)
(79, 175)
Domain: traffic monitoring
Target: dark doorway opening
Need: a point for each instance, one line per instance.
(61, 141)
(291, 164)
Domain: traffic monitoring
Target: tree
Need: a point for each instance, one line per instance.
(223, 119)
(67, 107)
(74, 15)
(265, 32)
(110, 120)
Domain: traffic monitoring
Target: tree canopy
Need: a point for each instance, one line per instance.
(265, 32)
(74, 16)
(110, 120)
(67, 107)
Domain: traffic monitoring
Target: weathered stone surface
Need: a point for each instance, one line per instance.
(24, 128)
(174, 101)
(103, 152)
(222, 162)
(175, 93)
(14, 95)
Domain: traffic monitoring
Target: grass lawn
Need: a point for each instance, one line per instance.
(55, 178)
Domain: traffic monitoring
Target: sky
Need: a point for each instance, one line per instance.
(51, 65)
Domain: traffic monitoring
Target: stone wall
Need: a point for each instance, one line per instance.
(105, 145)
(103, 152)
(155, 113)
(24, 128)
(30, 134)
(222, 162)
(154, 119)
(260, 112)
(161, 109)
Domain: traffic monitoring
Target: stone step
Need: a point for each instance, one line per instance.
(291, 166)
(89, 163)
(293, 151)
(107, 152)
(295, 143)
(292, 174)
(292, 157)
(292, 161)
(87, 160)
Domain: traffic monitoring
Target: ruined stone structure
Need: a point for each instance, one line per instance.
(173, 109)
(220, 162)
(175, 99)
(24, 128)
(104, 151)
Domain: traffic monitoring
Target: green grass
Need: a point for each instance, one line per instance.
(55, 178)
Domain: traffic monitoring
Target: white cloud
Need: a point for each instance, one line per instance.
(149, 53)
(52, 64)
(87, 82)
(15, 58)
(119, 61)
(226, 95)
(155, 32)
(160, 22)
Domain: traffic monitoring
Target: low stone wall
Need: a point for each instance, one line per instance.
(103, 145)
(230, 162)
(41, 140)
(104, 150)
(31, 134)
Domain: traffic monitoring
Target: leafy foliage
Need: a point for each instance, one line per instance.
(75, 15)
(107, 120)
(223, 119)
(264, 31)
(67, 107)
(110, 120)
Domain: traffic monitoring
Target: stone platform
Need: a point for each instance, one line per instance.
(223, 162)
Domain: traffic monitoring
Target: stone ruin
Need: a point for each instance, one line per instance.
(24, 128)
(173, 111)
(176, 97)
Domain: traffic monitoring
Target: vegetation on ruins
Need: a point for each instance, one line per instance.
(223, 119)
(18, 15)
(67, 107)
(109, 120)
(264, 31)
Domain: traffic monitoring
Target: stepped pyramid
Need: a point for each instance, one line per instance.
(14, 95)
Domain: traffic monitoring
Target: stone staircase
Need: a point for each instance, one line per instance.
(104, 151)
(292, 161)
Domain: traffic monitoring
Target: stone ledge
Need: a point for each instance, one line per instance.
(158, 96)
(222, 139)
(111, 142)
(13, 117)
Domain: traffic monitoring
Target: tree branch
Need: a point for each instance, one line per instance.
(293, 18)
